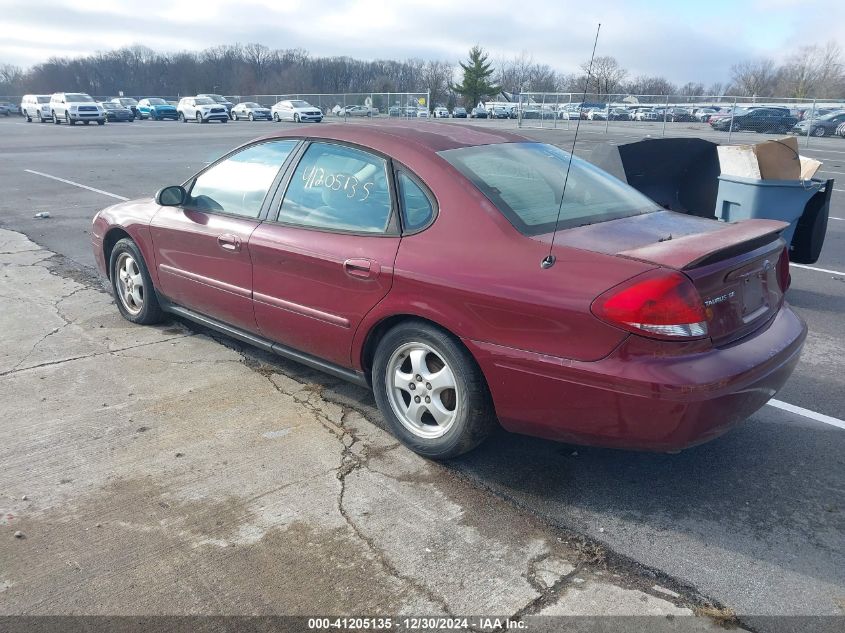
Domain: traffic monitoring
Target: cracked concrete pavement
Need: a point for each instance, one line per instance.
(152, 470)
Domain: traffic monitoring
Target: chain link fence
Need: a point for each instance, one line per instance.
(677, 115)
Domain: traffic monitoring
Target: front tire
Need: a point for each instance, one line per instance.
(199, 118)
(296, 117)
(251, 116)
(431, 391)
(132, 286)
(276, 117)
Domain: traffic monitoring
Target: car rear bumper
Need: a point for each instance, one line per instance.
(644, 395)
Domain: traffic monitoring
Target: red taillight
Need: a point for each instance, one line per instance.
(784, 278)
(659, 303)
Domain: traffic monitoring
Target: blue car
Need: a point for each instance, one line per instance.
(157, 109)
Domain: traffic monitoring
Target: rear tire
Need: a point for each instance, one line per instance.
(132, 286)
(449, 384)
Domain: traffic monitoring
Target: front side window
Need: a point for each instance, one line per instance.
(525, 182)
(238, 184)
(338, 188)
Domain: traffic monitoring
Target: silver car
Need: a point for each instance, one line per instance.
(251, 111)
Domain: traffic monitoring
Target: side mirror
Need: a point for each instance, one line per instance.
(172, 196)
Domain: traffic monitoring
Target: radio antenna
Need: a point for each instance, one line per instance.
(549, 260)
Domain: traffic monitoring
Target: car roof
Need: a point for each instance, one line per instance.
(392, 138)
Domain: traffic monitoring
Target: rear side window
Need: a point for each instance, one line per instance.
(338, 188)
(238, 184)
(417, 210)
(525, 182)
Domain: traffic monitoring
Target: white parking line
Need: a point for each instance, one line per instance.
(75, 184)
(818, 417)
(833, 218)
(818, 270)
(827, 171)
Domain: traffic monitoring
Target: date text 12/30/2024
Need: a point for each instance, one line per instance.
(414, 624)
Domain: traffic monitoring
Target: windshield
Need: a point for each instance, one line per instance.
(128, 101)
(300, 104)
(77, 97)
(216, 98)
(203, 101)
(43, 99)
(156, 101)
(251, 105)
(832, 115)
(110, 106)
(525, 182)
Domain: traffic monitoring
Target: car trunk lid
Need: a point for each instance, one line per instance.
(734, 267)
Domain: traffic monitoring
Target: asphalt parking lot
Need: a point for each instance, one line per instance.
(754, 520)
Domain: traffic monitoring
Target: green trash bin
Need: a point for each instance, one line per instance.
(792, 201)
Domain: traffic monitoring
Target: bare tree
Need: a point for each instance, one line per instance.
(437, 77)
(606, 76)
(645, 85)
(755, 77)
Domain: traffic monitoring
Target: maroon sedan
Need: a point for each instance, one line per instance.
(409, 257)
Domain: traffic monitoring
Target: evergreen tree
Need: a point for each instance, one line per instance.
(476, 83)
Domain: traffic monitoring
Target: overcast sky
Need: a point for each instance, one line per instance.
(683, 40)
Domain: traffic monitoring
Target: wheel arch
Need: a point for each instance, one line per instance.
(112, 237)
(378, 330)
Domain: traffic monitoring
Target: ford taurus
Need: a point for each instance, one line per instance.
(470, 277)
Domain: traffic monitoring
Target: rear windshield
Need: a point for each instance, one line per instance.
(525, 182)
(43, 99)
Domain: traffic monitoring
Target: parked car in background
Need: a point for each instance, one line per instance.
(72, 107)
(594, 114)
(394, 111)
(128, 102)
(157, 109)
(498, 112)
(358, 111)
(644, 114)
(201, 110)
(810, 113)
(824, 125)
(478, 113)
(220, 100)
(703, 114)
(680, 115)
(630, 340)
(296, 110)
(117, 112)
(771, 120)
(251, 111)
(7, 108)
(36, 107)
(440, 113)
(422, 113)
(459, 113)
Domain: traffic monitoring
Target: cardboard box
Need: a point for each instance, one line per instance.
(776, 159)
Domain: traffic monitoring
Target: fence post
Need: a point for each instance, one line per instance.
(428, 103)
(665, 114)
(731, 125)
(344, 107)
(569, 114)
(810, 126)
(607, 116)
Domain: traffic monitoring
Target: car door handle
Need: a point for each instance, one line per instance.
(229, 242)
(359, 267)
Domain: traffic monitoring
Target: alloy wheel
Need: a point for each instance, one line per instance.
(130, 284)
(422, 390)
